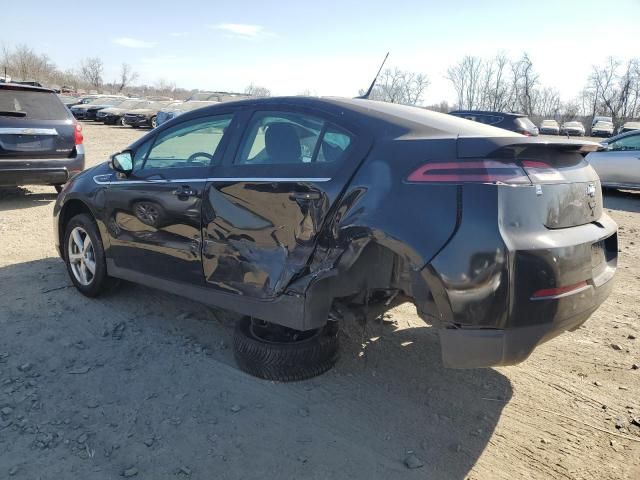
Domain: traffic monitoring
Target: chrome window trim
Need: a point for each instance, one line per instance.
(213, 179)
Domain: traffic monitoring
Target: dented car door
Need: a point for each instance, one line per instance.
(264, 208)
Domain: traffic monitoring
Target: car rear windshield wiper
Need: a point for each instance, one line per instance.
(12, 113)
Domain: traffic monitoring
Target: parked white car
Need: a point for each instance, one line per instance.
(572, 128)
(602, 129)
(549, 127)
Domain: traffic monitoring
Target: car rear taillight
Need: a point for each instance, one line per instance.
(480, 171)
(77, 134)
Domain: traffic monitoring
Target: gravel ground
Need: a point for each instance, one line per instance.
(142, 384)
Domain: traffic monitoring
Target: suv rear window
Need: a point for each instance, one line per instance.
(35, 105)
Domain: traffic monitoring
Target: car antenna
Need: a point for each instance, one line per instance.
(366, 95)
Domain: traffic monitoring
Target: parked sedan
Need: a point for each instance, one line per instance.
(629, 127)
(145, 117)
(89, 110)
(549, 127)
(177, 109)
(69, 101)
(298, 212)
(602, 129)
(618, 163)
(516, 122)
(115, 115)
(572, 129)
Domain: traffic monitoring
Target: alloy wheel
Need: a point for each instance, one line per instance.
(81, 255)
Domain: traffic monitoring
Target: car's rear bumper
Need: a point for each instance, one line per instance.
(486, 347)
(41, 171)
(498, 297)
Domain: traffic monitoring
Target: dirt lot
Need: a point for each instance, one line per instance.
(143, 384)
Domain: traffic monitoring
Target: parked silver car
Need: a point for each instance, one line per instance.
(618, 163)
(572, 128)
(549, 127)
(602, 129)
(629, 127)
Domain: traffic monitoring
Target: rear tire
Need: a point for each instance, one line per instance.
(154, 122)
(278, 353)
(84, 256)
(58, 188)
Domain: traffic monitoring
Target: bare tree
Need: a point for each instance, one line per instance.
(482, 84)
(547, 102)
(615, 89)
(127, 77)
(399, 86)
(164, 87)
(525, 83)
(257, 91)
(91, 69)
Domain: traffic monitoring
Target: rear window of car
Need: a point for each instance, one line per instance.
(525, 123)
(34, 105)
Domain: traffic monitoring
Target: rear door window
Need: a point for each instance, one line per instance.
(291, 138)
(32, 105)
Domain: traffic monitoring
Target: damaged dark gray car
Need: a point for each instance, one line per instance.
(296, 211)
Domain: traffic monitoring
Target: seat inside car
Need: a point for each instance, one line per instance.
(282, 143)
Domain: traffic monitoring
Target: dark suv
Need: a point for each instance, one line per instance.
(301, 212)
(40, 141)
(516, 122)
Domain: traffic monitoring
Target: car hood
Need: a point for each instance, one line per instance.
(142, 111)
(114, 110)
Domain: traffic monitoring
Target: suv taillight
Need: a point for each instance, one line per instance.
(479, 171)
(78, 137)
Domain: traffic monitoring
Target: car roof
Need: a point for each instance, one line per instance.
(622, 135)
(19, 86)
(487, 112)
(385, 120)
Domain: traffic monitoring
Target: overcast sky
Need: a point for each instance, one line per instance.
(327, 47)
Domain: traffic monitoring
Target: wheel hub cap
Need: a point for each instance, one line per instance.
(81, 256)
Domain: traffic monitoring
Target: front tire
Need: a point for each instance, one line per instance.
(278, 353)
(84, 256)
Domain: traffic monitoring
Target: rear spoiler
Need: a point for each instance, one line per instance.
(474, 147)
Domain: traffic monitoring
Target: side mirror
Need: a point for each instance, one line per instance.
(122, 162)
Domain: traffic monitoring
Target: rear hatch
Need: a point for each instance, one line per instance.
(567, 189)
(34, 124)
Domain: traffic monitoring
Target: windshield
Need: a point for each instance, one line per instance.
(573, 124)
(549, 123)
(31, 105)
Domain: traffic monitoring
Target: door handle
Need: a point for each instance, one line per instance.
(185, 191)
(305, 196)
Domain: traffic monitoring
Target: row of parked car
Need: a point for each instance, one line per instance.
(140, 112)
(517, 122)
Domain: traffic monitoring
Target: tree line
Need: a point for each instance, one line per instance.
(23, 63)
(497, 83)
(502, 84)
